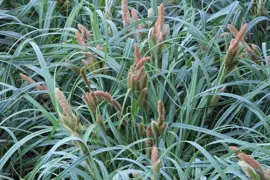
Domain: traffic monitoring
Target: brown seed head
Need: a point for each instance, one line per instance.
(79, 38)
(142, 62)
(134, 15)
(26, 78)
(107, 96)
(232, 29)
(137, 53)
(31, 81)
(154, 155)
(84, 31)
(63, 102)
(240, 34)
(160, 19)
(161, 111)
(125, 13)
(104, 95)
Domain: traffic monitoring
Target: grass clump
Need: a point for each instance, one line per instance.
(149, 89)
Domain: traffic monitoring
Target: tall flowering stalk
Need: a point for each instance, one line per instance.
(69, 120)
(158, 35)
(251, 50)
(137, 77)
(231, 59)
(72, 123)
(92, 100)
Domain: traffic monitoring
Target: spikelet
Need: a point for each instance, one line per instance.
(125, 13)
(142, 62)
(252, 50)
(91, 62)
(107, 96)
(69, 120)
(251, 162)
(154, 155)
(137, 78)
(214, 100)
(75, 68)
(134, 15)
(254, 53)
(143, 81)
(157, 36)
(79, 38)
(161, 113)
(63, 102)
(64, 6)
(84, 32)
(137, 53)
(31, 81)
(149, 134)
(26, 78)
(136, 175)
(232, 30)
(159, 126)
(250, 166)
(130, 80)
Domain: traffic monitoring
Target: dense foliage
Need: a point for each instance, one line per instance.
(110, 89)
